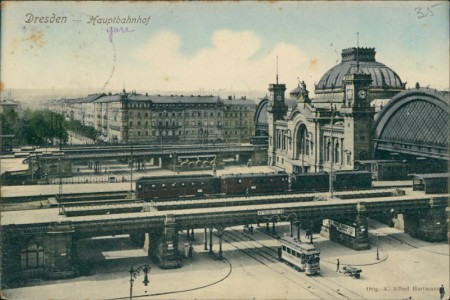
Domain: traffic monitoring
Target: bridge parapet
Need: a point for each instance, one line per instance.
(429, 224)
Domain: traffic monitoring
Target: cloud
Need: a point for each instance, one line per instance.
(234, 61)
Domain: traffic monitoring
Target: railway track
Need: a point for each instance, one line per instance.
(319, 286)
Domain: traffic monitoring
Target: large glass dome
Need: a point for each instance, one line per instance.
(364, 59)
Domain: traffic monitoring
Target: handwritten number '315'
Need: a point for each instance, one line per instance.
(428, 12)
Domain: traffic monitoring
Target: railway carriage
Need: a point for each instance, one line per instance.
(342, 180)
(176, 186)
(384, 169)
(310, 182)
(352, 180)
(433, 183)
(254, 183)
(304, 257)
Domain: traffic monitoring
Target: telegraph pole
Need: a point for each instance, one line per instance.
(131, 171)
(332, 152)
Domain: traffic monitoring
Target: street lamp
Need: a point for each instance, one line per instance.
(135, 272)
(378, 256)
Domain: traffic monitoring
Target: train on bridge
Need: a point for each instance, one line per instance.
(166, 187)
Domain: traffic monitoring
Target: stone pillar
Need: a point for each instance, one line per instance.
(220, 234)
(361, 241)
(429, 225)
(291, 231)
(192, 234)
(58, 251)
(206, 240)
(10, 269)
(273, 228)
(210, 240)
(168, 247)
(351, 233)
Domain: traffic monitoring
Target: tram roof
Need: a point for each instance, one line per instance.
(298, 245)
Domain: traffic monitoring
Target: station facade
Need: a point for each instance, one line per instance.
(357, 109)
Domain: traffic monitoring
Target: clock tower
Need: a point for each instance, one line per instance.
(358, 118)
(277, 105)
(276, 110)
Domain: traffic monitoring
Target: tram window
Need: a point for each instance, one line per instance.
(289, 251)
(284, 248)
(299, 255)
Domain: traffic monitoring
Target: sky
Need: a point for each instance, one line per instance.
(220, 48)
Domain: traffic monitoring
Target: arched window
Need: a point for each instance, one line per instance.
(32, 256)
(336, 153)
(302, 141)
(328, 151)
(307, 146)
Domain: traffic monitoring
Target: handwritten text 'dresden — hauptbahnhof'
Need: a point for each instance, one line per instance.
(94, 20)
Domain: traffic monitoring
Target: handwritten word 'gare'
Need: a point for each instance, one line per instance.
(30, 18)
(118, 20)
(110, 30)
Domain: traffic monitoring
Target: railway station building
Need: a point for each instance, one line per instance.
(361, 111)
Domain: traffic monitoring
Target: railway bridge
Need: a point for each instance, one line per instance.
(175, 157)
(43, 242)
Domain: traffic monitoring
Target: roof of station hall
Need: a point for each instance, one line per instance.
(160, 99)
(382, 76)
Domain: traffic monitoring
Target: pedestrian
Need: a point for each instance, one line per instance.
(251, 229)
(337, 265)
(191, 249)
(442, 291)
(186, 250)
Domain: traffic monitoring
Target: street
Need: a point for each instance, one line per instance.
(406, 268)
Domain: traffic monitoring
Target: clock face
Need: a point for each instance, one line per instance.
(279, 97)
(349, 94)
(362, 94)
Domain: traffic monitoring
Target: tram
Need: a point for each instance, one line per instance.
(304, 257)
